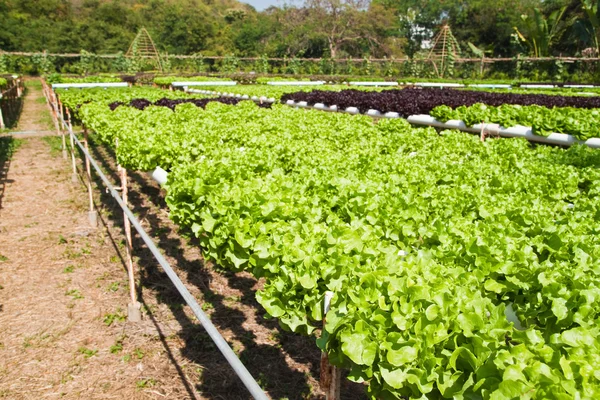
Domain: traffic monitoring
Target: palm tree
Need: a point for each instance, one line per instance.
(587, 29)
(541, 33)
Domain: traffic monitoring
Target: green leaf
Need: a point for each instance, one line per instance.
(403, 355)
(396, 378)
(559, 308)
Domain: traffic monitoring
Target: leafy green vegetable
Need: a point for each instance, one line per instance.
(580, 122)
(167, 80)
(428, 241)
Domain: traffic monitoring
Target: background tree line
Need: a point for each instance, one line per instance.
(304, 29)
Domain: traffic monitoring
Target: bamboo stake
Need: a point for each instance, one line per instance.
(330, 376)
(92, 214)
(73, 162)
(58, 106)
(133, 309)
(59, 131)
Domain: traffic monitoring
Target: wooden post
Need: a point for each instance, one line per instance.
(73, 162)
(57, 107)
(133, 309)
(92, 214)
(330, 375)
(60, 107)
(53, 103)
(2, 126)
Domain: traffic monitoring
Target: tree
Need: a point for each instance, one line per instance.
(541, 32)
(489, 24)
(588, 27)
(346, 22)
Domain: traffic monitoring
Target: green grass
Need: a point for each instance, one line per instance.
(87, 352)
(33, 83)
(145, 383)
(8, 146)
(69, 269)
(118, 316)
(46, 120)
(74, 293)
(55, 143)
(118, 346)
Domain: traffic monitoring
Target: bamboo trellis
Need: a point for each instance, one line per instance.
(445, 49)
(143, 47)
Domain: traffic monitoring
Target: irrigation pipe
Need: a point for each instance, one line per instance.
(561, 139)
(222, 345)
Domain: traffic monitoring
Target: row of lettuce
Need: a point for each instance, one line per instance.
(575, 115)
(544, 113)
(428, 241)
(564, 111)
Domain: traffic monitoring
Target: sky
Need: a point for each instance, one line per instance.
(262, 4)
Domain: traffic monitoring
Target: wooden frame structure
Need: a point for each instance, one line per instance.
(445, 49)
(143, 47)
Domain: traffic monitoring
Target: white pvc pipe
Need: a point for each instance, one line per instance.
(424, 119)
(296, 83)
(435, 84)
(327, 301)
(580, 86)
(516, 131)
(538, 86)
(593, 142)
(374, 83)
(490, 86)
(460, 125)
(160, 176)
(88, 85)
(511, 316)
(204, 83)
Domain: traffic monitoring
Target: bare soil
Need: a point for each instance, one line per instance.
(35, 118)
(64, 293)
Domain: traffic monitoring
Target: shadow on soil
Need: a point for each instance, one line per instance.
(267, 363)
(7, 147)
(11, 107)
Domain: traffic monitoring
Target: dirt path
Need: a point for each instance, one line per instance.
(57, 278)
(35, 117)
